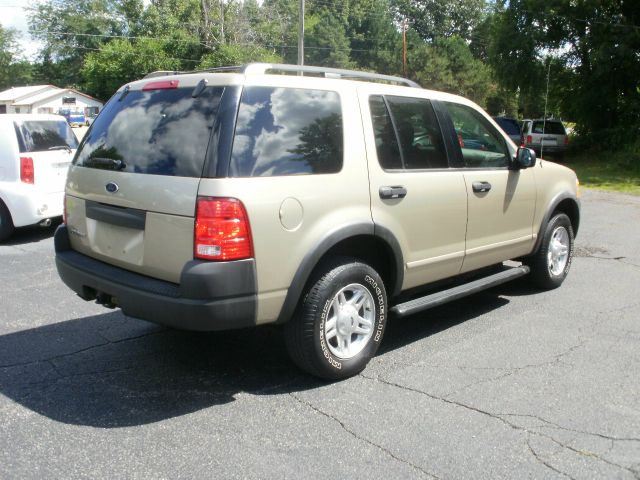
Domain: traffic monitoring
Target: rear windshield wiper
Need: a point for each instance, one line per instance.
(61, 147)
(106, 163)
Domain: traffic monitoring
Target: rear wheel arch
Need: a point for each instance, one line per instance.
(375, 247)
(6, 221)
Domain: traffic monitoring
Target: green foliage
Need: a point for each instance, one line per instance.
(13, 70)
(595, 62)
(436, 19)
(121, 61)
(451, 67)
(237, 55)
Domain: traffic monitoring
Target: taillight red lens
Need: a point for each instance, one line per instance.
(26, 170)
(566, 140)
(222, 230)
(529, 139)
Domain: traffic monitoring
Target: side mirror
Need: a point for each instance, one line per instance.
(525, 158)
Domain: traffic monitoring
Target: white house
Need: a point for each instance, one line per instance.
(47, 99)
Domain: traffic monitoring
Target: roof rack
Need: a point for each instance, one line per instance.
(263, 68)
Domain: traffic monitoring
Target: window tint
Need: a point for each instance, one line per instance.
(41, 135)
(286, 131)
(552, 128)
(481, 144)
(159, 132)
(509, 125)
(416, 131)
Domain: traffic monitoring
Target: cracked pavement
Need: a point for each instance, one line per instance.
(509, 383)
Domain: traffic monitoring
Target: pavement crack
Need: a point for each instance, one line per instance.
(76, 352)
(540, 460)
(363, 439)
(500, 418)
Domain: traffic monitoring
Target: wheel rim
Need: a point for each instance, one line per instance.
(558, 254)
(350, 320)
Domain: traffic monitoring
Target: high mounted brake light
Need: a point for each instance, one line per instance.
(162, 85)
(222, 230)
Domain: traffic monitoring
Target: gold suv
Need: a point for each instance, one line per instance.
(324, 200)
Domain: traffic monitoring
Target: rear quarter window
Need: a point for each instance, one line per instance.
(287, 131)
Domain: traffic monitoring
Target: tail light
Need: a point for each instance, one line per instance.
(222, 230)
(529, 139)
(26, 170)
(566, 140)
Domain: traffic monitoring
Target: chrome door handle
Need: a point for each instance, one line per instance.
(397, 191)
(480, 187)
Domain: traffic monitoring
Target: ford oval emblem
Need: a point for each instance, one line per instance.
(112, 187)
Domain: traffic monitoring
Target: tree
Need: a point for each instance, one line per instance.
(121, 61)
(593, 49)
(14, 70)
(435, 19)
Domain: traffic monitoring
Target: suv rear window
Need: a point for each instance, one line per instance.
(43, 135)
(509, 125)
(552, 128)
(287, 131)
(159, 132)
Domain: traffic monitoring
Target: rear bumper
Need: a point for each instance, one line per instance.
(210, 296)
(29, 206)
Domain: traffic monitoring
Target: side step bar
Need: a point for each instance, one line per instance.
(444, 296)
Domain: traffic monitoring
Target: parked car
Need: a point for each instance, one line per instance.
(88, 119)
(511, 127)
(268, 194)
(74, 118)
(35, 153)
(545, 136)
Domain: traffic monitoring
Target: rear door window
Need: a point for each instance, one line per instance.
(407, 133)
(159, 132)
(287, 131)
(44, 135)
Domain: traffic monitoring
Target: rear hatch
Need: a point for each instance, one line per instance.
(133, 185)
(548, 133)
(50, 145)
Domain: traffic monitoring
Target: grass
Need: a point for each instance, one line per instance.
(612, 171)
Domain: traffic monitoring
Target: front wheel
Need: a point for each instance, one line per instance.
(339, 322)
(550, 264)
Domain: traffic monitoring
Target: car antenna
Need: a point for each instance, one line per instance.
(546, 100)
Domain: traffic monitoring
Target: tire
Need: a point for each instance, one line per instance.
(550, 264)
(6, 223)
(339, 322)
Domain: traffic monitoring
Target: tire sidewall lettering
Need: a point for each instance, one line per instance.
(380, 321)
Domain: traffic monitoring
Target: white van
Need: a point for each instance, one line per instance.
(35, 153)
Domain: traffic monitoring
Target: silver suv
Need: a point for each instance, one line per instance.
(324, 200)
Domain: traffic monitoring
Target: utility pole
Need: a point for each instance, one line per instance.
(301, 34)
(404, 48)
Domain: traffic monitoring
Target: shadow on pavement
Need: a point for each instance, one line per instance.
(31, 234)
(110, 371)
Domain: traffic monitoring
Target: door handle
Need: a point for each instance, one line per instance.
(481, 187)
(393, 192)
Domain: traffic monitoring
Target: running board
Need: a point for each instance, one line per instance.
(444, 296)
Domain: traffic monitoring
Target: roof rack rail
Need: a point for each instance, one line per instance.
(262, 68)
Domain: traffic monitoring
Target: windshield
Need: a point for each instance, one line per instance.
(43, 135)
(160, 132)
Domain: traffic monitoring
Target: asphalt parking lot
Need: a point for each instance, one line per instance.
(509, 383)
